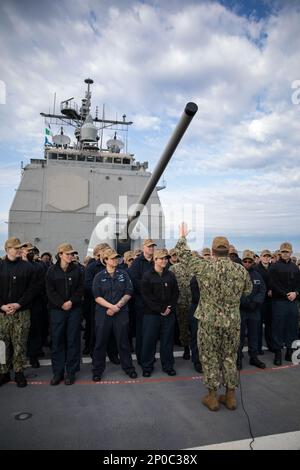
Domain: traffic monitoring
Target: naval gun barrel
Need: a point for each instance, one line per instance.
(187, 115)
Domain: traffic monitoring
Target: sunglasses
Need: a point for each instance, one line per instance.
(247, 261)
(165, 258)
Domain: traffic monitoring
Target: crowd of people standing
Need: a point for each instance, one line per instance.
(209, 303)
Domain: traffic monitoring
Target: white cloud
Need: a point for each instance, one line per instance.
(261, 205)
(142, 122)
(148, 61)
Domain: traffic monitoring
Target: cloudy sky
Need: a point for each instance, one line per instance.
(238, 60)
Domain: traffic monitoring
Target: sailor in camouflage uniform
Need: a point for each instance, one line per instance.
(221, 284)
(17, 289)
(183, 306)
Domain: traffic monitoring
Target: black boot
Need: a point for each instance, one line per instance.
(20, 379)
(254, 361)
(198, 367)
(278, 358)
(288, 354)
(187, 353)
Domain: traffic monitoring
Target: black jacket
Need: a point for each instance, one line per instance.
(17, 283)
(139, 267)
(284, 278)
(265, 274)
(252, 302)
(159, 292)
(94, 267)
(195, 290)
(63, 286)
(236, 259)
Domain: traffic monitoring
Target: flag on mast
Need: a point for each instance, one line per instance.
(48, 129)
(48, 132)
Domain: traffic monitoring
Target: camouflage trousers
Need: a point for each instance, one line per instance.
(14, 331)
(218, 347)
(182, 314)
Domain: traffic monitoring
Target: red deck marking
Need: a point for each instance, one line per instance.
(158, 379)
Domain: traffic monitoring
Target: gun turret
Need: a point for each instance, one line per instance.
(123, 240)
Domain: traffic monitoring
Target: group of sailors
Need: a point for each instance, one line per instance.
(149, 295)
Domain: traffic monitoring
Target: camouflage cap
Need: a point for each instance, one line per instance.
(286, 246)
(12, 243)
(110, 253)
(161, 253)
(65, 248)
(173, 251)
(220, 243)
(27, 245)
(232, 250)
(100, 247)
(266, 252)
(137, 252)
(206, 251)
(149, 242)
(248, 254)
(128, 255)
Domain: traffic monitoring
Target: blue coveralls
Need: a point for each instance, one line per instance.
(112, 289)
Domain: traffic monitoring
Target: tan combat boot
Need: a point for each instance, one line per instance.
(211, 401)
(229, 399)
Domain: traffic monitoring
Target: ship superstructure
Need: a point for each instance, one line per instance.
(80, 192)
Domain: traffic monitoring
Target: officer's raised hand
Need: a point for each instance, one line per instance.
(183, 230)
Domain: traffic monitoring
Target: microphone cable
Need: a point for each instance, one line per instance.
(247, 416)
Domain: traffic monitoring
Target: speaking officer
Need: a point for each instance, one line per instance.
(112, 290)
(160, 293)
(250, 312)
(285, 285)
(64, 284)
(221, 284)
(16, 293)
